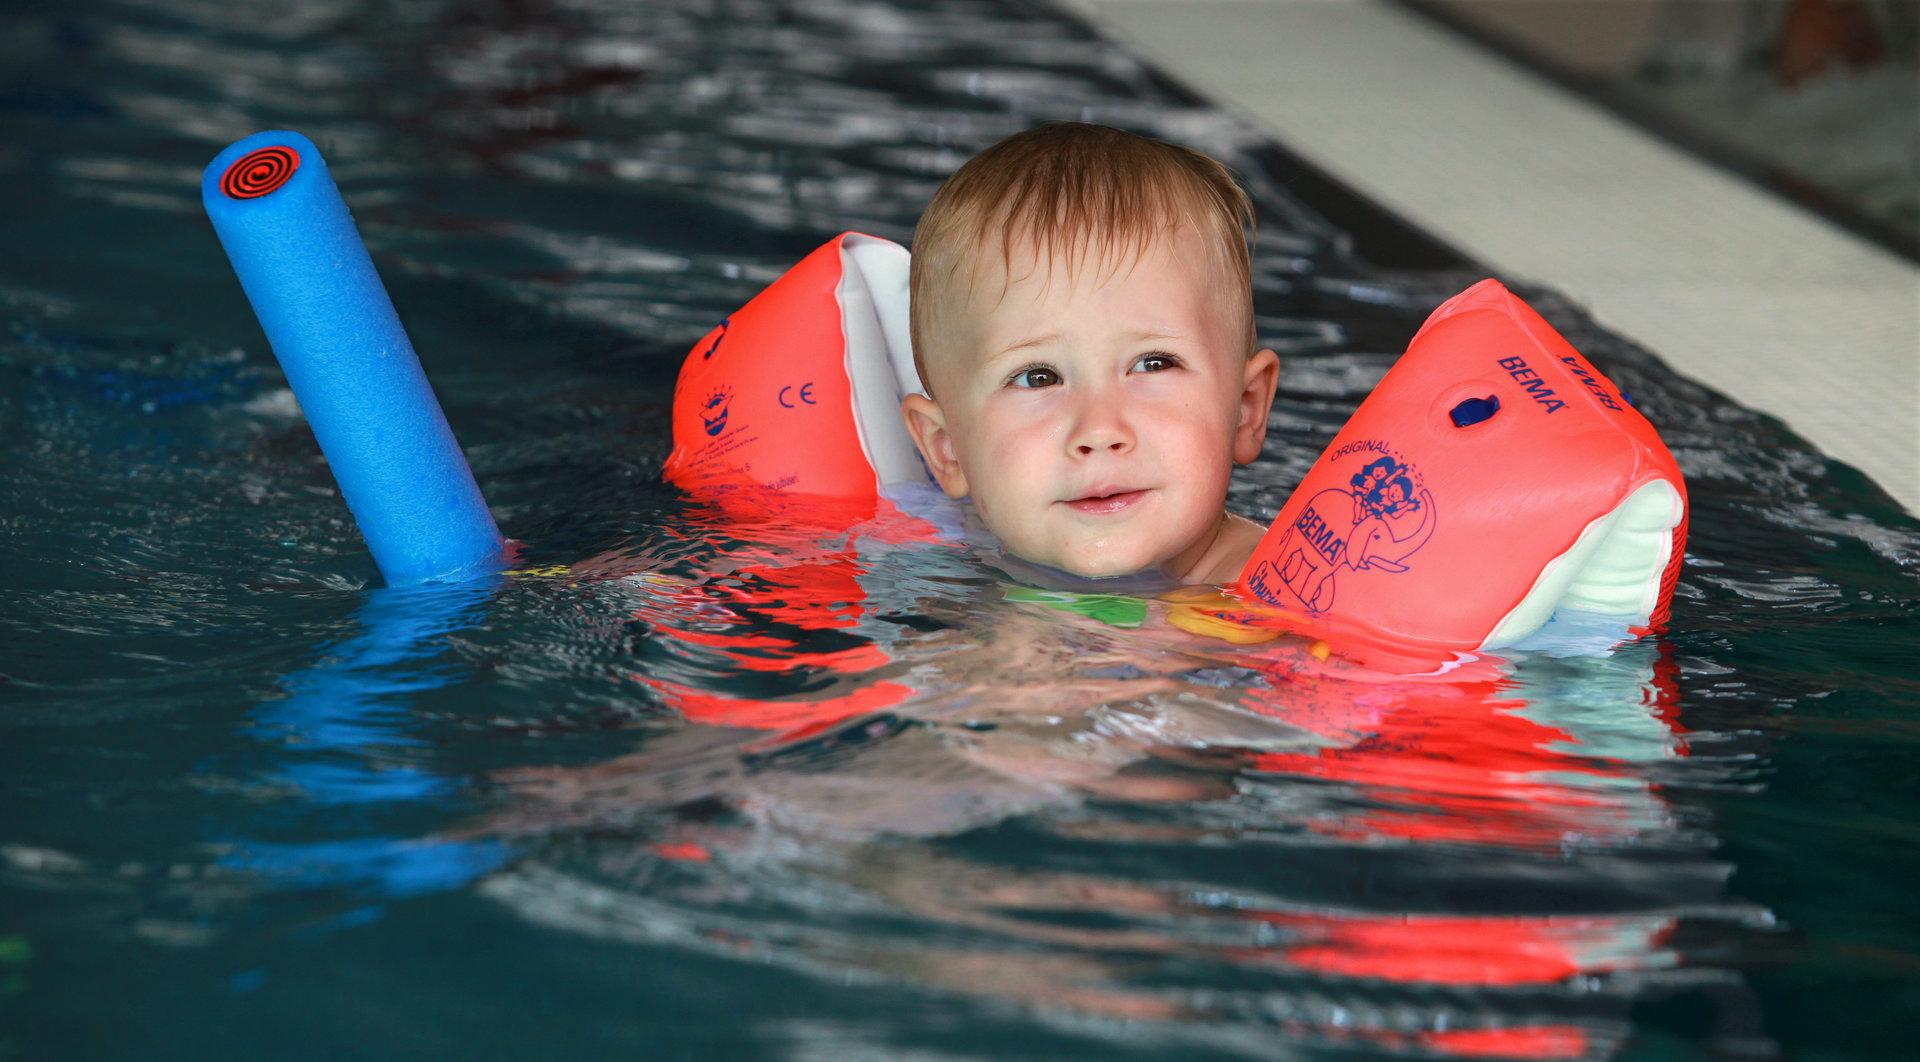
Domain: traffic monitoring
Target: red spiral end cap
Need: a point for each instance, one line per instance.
(259, 172)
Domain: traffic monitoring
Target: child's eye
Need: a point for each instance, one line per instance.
(1156, 363)
(1034, 376)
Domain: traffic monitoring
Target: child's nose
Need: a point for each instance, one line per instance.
(1099, 427)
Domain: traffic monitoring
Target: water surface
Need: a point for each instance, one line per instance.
(742, 789)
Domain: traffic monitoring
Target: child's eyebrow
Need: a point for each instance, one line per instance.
(1025, 344)
(1144, 335)
(1148, 335)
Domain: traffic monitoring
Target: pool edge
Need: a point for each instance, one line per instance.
(1730, 284)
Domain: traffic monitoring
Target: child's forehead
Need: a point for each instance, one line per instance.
(1010, 271)
(987, 279)
(1019, 251)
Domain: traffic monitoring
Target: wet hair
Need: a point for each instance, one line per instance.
(1084, 192)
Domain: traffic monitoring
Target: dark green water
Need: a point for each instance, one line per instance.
(251, 805)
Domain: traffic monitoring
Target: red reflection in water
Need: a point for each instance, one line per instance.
(1465, 756)
(1525, 1041)
(786, 605)
(1453, 759)
(1456, 950)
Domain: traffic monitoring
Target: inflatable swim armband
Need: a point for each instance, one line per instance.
(799, 391)
(1492, 477)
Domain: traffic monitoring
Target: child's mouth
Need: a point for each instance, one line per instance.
(1105, 504)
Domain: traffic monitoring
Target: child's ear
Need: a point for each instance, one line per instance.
(927, 423)
(1256, 398)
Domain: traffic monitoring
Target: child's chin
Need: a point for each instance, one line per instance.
(1102, 566)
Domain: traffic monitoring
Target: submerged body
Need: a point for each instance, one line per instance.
(1079, 366)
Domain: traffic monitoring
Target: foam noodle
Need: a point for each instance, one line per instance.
(331, 324)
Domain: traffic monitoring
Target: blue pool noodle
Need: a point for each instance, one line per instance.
(312, 285)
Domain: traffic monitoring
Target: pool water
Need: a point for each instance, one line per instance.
(719, 787)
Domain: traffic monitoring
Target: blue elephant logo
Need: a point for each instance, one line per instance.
(1376, 526)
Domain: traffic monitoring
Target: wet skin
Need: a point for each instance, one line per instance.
(1094, 412)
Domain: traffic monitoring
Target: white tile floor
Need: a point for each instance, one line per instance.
(1729, 284)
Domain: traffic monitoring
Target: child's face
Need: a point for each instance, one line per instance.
(1094, 414)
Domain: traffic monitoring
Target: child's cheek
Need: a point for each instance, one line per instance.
(1014, 435)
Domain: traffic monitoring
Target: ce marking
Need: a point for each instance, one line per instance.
(805, 391)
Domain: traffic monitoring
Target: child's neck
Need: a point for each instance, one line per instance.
(1217, 559)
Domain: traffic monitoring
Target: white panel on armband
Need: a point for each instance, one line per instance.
(1613, 569)
(873, 317)
(887, 267)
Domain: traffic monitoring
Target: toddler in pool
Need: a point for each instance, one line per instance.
(1082, 319)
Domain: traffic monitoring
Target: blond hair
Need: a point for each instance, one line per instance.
(1082, 192)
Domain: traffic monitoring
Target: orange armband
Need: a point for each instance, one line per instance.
(1492, 477)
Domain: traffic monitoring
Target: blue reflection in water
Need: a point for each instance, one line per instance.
(335, 735)
(394, 867)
